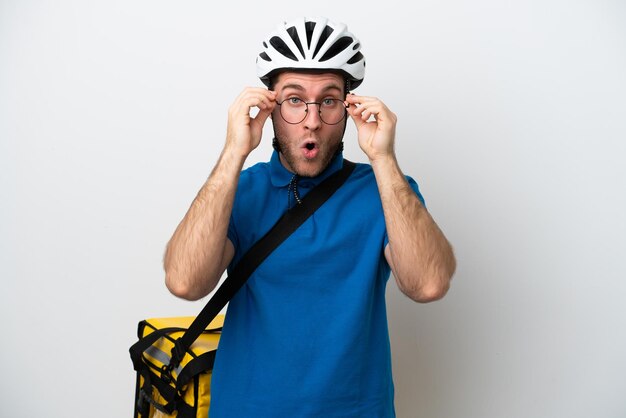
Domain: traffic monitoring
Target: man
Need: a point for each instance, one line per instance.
(307, 334)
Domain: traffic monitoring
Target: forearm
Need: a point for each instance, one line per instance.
(420, 255)
(194, 257)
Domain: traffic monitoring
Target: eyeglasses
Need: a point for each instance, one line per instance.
(294, 110)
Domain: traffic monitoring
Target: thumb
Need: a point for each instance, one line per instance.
(259, 120)
(356, 119)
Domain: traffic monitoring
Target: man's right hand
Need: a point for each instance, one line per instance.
(244, 132)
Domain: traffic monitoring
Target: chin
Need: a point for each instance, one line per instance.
(309, 168)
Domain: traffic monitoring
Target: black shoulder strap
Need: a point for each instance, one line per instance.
(286, 225)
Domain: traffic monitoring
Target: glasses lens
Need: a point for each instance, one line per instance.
(293, 110)
(332, 111)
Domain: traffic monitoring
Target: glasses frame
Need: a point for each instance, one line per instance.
(319, 111)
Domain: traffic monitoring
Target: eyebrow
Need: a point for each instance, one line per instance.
(300, 88)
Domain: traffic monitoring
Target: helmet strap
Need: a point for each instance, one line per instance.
(275, 144)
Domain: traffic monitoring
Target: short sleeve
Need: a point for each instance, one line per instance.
(232, 233)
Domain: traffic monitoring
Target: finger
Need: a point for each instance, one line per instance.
(378, 110)
(373, 107)
(357, 109)
(353, 98)
(257, 90)
(260, 119)
(355, 116)
(262, 94)
(259, 98)
(360, 103)
(244, 104)
(361, 100)
(365, 112)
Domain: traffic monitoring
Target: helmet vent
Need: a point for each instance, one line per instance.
(356, 46)
(341, 44)
(282, 47)
(309, 33)
(293, 33)
(264, 56)
(323, 37)
(356, 58)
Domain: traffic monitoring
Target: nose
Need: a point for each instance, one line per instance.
(312, 120)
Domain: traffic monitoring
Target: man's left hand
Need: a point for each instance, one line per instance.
(376, 137)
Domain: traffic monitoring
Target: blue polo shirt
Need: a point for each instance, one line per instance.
(306, 336)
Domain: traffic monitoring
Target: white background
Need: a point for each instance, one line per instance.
(512, 118)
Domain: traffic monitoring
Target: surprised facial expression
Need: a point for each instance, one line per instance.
(307, 147)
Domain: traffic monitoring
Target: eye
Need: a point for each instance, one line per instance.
(295, 101)
(328, 102)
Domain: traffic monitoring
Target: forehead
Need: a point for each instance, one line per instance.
(309, 82)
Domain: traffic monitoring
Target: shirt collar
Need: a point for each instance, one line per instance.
(281, 177)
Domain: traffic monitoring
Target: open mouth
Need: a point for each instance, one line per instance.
(310, 150)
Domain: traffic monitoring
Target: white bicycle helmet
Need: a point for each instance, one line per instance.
(312, 44)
